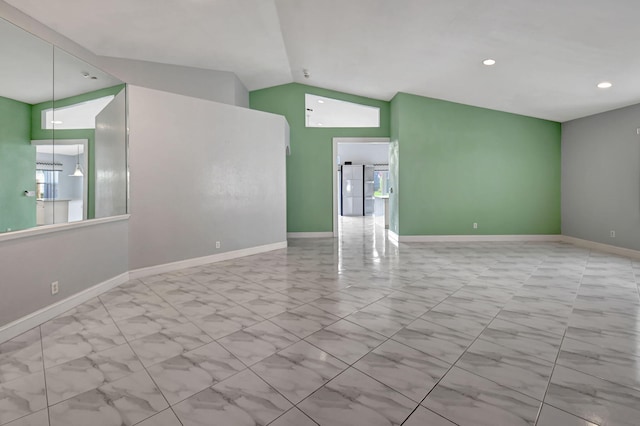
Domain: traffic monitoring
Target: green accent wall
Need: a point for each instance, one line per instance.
(17, 166)
(309, 168)
(37, 133)
(461, 164)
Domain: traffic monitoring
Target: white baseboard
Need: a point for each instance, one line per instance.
(309, 234)
(198, 261)
(26, 323)
(621, 251)
(475, 238)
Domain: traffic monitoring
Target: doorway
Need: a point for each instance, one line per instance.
(372, 155)
(61, 185)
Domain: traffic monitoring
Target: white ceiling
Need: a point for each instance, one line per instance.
(28, 65)
(550, 54)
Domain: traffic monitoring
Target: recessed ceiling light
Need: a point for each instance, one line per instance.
(56, 122)
(319, 124)
(489, 62)
(320, 101)
(604, 85)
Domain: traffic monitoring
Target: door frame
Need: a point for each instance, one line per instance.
(335, 167)
(85, 166)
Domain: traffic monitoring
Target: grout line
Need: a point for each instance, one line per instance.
(44, 373)
(555, 362)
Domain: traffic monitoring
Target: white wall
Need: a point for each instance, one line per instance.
(110, 159)
(202, 172)
(77, 258)
(361, 153)
(601, 178)
(219, 86)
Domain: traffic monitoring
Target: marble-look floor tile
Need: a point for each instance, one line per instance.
(244, 292)
(169, 343)
(551, 416)
(271, 305)
(22, 396)
(432, 296)
(293, 417)
(551, 323)
(88, 315)
(490, 292)
(257, 342)
(299, 370)
(136, 307)
(533, 341)
(406, 370)
(127, 292)
(227, 322)
(243, 399)
(433, 339)
(605, 363)
(618, 340)
(470, 400)
(406, 303)
(610, 306)
(380, 319)
(354, 399)
(470, 302)
(153, 322)
(340, 308)
(304, 295)
(187, 374)
(199, 308)
(82, 374)
(345, 340)
(39, 418)
(163, 418)
(471, 323)
(20, 356)
(304, 320)
(590, 318)
(66, 347)
(424, 417)
(593, 399)
(122, 403)
(513, 369)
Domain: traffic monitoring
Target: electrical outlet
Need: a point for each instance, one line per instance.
(55, 287)
(475, 225)
(613, 234)
(217, 244)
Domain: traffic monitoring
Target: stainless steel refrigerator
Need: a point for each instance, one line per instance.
(357, 190)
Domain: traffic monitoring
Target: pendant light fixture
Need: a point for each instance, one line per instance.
(78, 171)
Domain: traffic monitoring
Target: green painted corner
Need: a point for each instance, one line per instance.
(451, 165)
(462, 164)
(17, 166)
(309, 168)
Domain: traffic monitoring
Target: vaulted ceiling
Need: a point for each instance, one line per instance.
(550, 54)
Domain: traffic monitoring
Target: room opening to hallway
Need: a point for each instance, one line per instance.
(361, 191)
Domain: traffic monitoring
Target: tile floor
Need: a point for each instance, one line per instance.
(350, 332)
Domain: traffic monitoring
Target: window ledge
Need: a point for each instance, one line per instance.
(49, 229)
